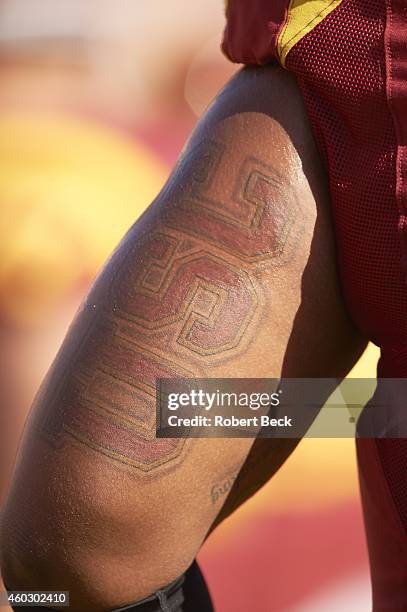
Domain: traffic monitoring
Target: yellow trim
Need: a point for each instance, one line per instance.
(303, 16)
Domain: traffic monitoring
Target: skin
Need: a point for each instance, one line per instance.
(229, 273)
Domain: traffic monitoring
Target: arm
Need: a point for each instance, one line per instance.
(230, 272)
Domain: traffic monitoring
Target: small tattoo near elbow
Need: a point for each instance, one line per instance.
(220, 489)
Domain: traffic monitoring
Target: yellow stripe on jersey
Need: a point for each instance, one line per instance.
(303, 16)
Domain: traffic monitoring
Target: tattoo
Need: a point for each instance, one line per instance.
(106, 401)
(184, 292)
(206, 301)
(222, 488)
(252, 225)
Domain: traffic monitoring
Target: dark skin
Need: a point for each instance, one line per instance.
(229, 273)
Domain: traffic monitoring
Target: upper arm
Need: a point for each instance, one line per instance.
(229, 273)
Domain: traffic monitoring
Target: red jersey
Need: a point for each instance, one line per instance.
(350, 61)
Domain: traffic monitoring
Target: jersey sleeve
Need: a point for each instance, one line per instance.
(252, 30)
(264, 31)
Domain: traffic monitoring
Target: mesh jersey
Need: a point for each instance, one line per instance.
(341, 66)
(350, 60)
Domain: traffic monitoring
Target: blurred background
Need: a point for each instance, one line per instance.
(96, 100)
